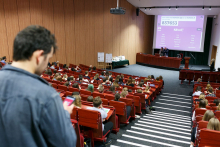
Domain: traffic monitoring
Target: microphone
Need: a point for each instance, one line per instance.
(193, 56)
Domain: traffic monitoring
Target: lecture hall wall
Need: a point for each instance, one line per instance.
(82, 28)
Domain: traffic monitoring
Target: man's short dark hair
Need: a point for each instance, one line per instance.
(68, 79)
(94, 68)
(30, 39)
(90, 68)
(199, 88)
(73, 69)
(75, 85)
(3, 58)
(80, 78)
(104, 79)
(86, 72)
(97, 101)
(117, 96)
(216, 101)
(111, 79)
(129, 90)
(90, 99)
(102, 73)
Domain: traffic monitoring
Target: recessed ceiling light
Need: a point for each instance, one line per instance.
(210, 8)
(203, 8)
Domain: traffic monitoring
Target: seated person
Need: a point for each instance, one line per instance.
(130, 91)
(147, 89)
(76, 85)
(213, 124)
(107, 74)
(77, 69)
(90, 69)
(129, 83)
(104, 81)
(87, 75)
(146, 100)
(210, 92)
(117, 97)
(111, 79)
(208, 86)
(49, 72)
(198, 91)
(152, 77)
(149, 77)
(201, 97)
(90, 88)
(141, 84)
(197, 82)
(216, 101)
(80, 80)
(55, 76)
(53, 66)
(66, 84)
(121, 81)
(90, 99)
(96, 77)
(161, 79)
(115, 83)
(3, 60)
(77, 102)
(102, 75)
(101, 88)
(59, 78)
(206, 117)
(202, 105)
(110, 74)
(123, 94)
(124, 89)
(65, 77)
(94, 68)
(112, 89)
(97, 106)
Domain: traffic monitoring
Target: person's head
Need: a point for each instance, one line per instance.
(210, 90)
(4, 58)
(49, 72)
(101, 88)
(202, 104)
(216, 101)
(86, 73)
(202, 96)
(68, 79)
(208, 115)
(53, 63)
(133, 81)
(208, 85)
(64, 65)
(199, 80)
(90, 68)
(213, 60)
(125, 89)
(112, 88)
(96, 76)
(111, 79)
(65, 76)
(139, 91)
(94, 68)
(97, 101)
(117, 96)
(104, 80)
(123, 94)
(152, 76)
(73, 69)
(218, 107)
(66, 84)
(129, 81)
(160, 77)
(157, 79)
(34, 45)
(90, 88)
(120, 80)
(147, 88)
(54, 71)
(90, 99)
(141, 84)
(198, 88)
(80, 78)
(77, 101)
(213, 124)
(130, 78)
(102, 73)
(59, 78)
(72, 78)
(149, 77)
(75, 85)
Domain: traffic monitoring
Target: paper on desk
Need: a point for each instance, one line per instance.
(106, 110)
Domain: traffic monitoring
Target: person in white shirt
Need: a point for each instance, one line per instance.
(202, 105)
(198, 91)
(97, 106)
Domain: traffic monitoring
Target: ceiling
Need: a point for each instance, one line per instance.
(174, 3)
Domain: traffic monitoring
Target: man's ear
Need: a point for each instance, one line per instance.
(38, 54)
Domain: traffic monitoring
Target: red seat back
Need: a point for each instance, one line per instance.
(142, 97)
(57, 82)
(84, 97)
(73, 89)
(85, 92)
(54, 85)
(104, 101)
(69, 93)
(110, 97)
(217, 114)
(80, 138)
(209, 138)
(62, 87)
(95, 94)
(200, 111)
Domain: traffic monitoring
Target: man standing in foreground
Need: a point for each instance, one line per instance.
(31, 112)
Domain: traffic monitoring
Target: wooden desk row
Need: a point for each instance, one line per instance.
(172, 62)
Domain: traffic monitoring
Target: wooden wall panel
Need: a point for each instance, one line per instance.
(24, 18)
(80, 31)
(108, 27)
(70, 31)
(124, 31)
(48, 19)
(90, 32)
(4, 50)
(116, 32)
(36, 12)
(131, 37)
(11, 17)
(99, 28)
(59, 27)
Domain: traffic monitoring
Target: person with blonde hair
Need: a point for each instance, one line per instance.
(65, 77)
(218, 107)
(207, 116)
(77, 102)
(207, 86)
(212, 66)
(123, 94)
(213, 124)
(96, 77)
(147, 89)
(101, 88)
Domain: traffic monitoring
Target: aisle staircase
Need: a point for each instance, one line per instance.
(169, 125)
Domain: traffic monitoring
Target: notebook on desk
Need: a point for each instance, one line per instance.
(106, 110)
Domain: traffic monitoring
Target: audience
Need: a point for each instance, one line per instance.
(76, 85)
(112, 89)
(210, 92)
(198, 91)
(77, 102)
(128, 108)
(147, 89)
(101, 88)
(102, 75)
(66, 84)
(213, 124)
(87, 75)
(90, 99)
(90, 88)
(96, 77)
(202, 105)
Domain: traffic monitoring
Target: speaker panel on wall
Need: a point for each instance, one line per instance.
(137, 11)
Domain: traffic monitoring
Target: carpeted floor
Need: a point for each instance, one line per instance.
(170, 124)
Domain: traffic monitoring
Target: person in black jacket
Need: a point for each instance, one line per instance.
(212, 65)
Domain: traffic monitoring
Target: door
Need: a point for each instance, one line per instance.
(214, 51)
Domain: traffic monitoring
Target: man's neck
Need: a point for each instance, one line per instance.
(24, 65)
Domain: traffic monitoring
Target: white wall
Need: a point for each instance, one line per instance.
(215, 40)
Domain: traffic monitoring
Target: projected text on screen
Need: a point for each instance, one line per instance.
(180, 32)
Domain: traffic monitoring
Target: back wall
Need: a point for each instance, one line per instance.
(82, 28)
